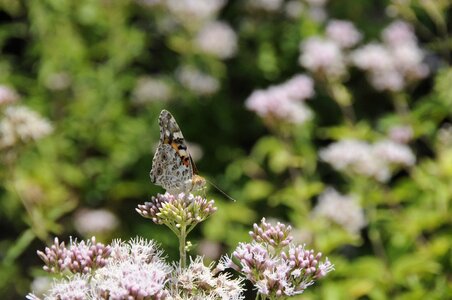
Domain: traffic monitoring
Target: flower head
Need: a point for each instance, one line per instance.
(20, 124)
(401, 134)
(370, 160)
(70, 288)
(198, 82)
(177, 210)
(283, 102)
(91, 221)
(276, 271)
(132, 270)
(80, 257)
(198, 281)
(355, 157)
(218, 39)
(8, 95)
(341, 209)
(150, 89)
(344, 33)
(396, 62)
(274, 235)
(322, 56)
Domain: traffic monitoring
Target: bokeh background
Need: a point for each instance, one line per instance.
(334, 117)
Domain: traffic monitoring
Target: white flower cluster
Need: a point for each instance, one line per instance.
(322, 56)
(198, 82)
(401, 134)
(361, 158)
(94, 221)
(189, 11)
(284, 102)
(7, 95)
(218, 39)
(131, 276)
(199, 282)
(396, 62)
(325, 56)
(137, 270)
(340, 209)
(151, 89)
(344, 33)
(21, 125)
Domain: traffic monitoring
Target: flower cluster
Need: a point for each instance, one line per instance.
(340, 209)
(8, 95)
(401, 134)
(198, 82)
(284, 102)
(95, 221)
(136, 270)
(21, 125)
(177, 210)
(151, 89)
(133, 270)
(188, 12)
(277, 272)
(322, 57)
(81, 257)
(199, 282)
(274, 235)
(370, 160)
(218, 39)
(396, 62)
(344, 33)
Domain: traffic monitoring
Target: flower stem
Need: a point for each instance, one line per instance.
(182, 241)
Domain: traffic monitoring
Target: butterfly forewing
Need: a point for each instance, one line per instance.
(172, 166)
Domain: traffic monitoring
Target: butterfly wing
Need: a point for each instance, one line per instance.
(172, 167)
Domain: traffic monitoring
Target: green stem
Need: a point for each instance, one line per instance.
(401, 104)
(182, 238)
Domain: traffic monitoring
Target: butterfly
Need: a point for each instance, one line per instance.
(172, 166)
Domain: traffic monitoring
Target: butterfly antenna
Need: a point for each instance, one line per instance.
(220, 190)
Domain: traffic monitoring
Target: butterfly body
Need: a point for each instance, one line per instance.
(172, 165)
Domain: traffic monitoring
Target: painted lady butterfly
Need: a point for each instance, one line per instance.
(172, 166)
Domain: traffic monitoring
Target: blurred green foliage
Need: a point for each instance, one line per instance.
(77, 63)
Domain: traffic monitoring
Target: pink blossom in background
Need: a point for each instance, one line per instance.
(284, 102)
(299, 87)
(210, 249)
(394, 153)
(197, 81)
(294, 9)
(370, 160)
(218, 39)
(193, 10)
(150, 89)
(387, 81)
(95, 221)
(21, 124)
(355, 157)
(396, 62)
(373, 57)
(322, 56)
(399, 33)
(401, 134)
(8, 95)
(344, 33)
(340, 209)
